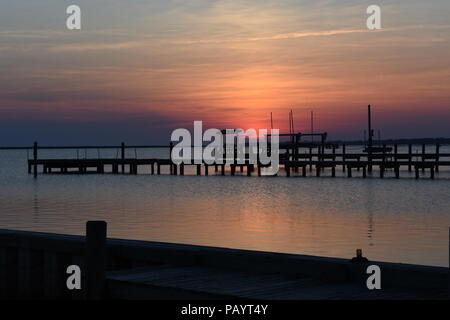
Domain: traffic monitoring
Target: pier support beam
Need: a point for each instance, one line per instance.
(35, 156)
(95, 259)
(122, 147)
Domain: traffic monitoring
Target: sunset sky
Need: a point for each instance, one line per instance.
(139, 69)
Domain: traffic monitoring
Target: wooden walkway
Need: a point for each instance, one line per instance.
(175, 282)
(115, 166)
(34, 264)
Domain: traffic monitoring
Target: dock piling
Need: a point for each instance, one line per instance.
(35, 157)
(95, 259)
(122, 148)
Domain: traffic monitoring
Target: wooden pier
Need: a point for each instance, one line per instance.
(293, 158)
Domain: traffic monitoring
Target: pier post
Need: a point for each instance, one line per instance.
(35, 157)
(410, 157)
(172, 165)
(95, 259)
(182, 169)
(199, 168)
(122, 147)
(343, 157)
(423, 156)
(438, 147)
(395, 153)
(349, 171)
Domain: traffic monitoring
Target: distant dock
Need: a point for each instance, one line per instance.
(296, 159)
(33, 265)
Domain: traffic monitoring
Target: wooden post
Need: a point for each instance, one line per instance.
(438, 147)
(175, 169)
(410, 157)
(423, 156)
(95, 259)
(182, 169)
(343, 158)
(123, 156)
(395, 153)
(172, 165)
(35, 157)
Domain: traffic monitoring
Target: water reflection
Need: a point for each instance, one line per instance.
(325, 216)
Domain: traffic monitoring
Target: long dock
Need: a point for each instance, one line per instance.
(33, 265)
(315, 159)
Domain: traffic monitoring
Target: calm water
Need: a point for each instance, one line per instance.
(391, 220)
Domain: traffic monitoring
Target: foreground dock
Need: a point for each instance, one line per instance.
(33, 265)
